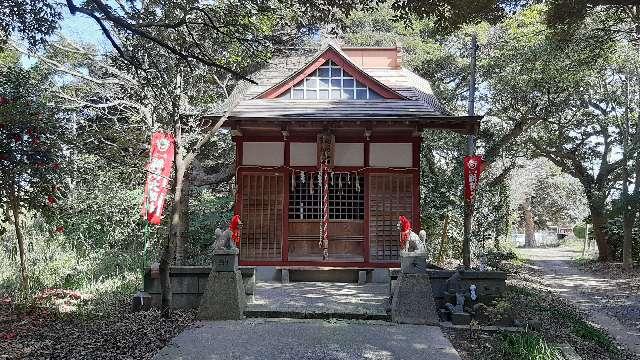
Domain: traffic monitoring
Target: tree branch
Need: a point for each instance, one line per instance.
(133, 29)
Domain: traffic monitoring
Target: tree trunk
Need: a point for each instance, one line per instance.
(183, 232)
(529, 226)
(599, 220)
(174, 232)
(628, 211)
(169, 248)
(444, 239)
(466, 240)
(15, 209)
(627, 244)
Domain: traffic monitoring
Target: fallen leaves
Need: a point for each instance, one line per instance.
(36, 333)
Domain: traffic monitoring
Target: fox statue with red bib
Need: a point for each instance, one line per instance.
(411, 242)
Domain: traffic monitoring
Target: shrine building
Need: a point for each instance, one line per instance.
(328, 157)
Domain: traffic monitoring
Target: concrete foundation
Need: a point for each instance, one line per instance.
(190, 282)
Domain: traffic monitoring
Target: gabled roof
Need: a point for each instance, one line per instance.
(334, 54)
(407, 96)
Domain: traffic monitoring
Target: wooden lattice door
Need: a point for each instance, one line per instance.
(261, 214)
(390, 195)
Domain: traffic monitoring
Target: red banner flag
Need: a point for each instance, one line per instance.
(158, 176)
(473, 166)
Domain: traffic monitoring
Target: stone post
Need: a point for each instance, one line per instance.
(413, 298)
(224, 298)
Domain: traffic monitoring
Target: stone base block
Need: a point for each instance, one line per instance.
(413, 264)
(413, 301)
(248, 279)
(362, 277)
(225, 260)
(285, 276)
(224, 298)
(461, 318)
(141, 301)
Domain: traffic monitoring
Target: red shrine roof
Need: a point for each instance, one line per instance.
(343, 84)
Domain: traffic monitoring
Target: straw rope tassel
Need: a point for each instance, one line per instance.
(325, 220)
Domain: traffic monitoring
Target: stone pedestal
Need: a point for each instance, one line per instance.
(413, 301)
(462, 318)
(225, 260)
(224, 298)
(413, 264)
(141, 302)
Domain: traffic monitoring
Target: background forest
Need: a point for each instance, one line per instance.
(560, 136)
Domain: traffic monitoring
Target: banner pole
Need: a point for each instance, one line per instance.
(471, 150)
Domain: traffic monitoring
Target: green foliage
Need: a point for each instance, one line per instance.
(615, 232)
(55, 260)
(32, 139)
(443, 60)
(496, 258)
(594, 335)
(208, 210)
(528, 346)
(34, 20)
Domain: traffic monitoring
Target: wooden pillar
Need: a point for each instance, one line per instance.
(285, 201)
(367, 243)
(238, 163)
(416, 183)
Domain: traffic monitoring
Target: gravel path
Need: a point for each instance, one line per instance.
(308, 339)
(611, 302)
(320, 297)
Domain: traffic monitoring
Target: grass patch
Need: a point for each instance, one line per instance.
(584, 261)
(593, 334)
(527, 346)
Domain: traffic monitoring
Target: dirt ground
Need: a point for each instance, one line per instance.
(608, 296)
(569, 302)
(39, 333)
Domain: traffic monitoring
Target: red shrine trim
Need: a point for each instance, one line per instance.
(331, 54)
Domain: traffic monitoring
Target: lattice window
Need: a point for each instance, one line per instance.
(330, 81)
(390, 195)
(304, 197)
(346, 197)
(261, 214)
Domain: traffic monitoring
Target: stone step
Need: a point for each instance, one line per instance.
(314, 315)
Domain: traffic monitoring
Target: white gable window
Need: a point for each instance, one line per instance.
(330, 82)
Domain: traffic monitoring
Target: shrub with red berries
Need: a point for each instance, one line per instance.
(33, 137)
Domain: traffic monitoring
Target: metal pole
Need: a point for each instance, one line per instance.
(471, 150)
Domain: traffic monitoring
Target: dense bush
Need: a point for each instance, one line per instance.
(616, 237)
(94, 239)
(496, 258)
(208, 210)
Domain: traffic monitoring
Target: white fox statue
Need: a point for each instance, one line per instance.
(409, 240)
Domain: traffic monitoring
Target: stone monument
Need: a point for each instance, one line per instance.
(456, 289)
(412, 301)
(224, 298)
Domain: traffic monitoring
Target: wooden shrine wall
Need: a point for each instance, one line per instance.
(261, 214)
(281, 213)
(390, 195)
